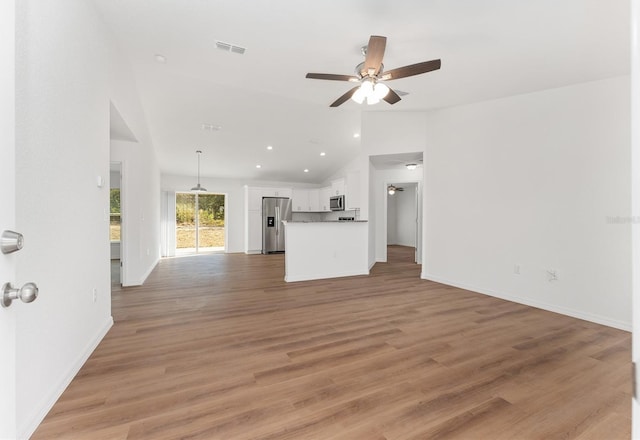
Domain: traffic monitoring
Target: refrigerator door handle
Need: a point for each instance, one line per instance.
(277, 220)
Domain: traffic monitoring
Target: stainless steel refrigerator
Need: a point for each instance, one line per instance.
(274, 211)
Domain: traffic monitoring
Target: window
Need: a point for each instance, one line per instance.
(200, 222)
(114, 215)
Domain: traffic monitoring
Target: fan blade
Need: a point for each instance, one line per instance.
(344, 98)
(332, 77)
(411, 70)
(392, 97)
(375, 52)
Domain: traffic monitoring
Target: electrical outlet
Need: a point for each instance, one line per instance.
(516, 269)
(95, 295)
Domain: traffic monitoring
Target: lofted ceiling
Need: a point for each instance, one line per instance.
(489, 49)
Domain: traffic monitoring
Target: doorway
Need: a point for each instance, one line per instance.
(115, 222)
(402, 222)
(200, 223)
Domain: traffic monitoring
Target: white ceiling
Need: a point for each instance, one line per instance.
(489, 49)
(397, 161)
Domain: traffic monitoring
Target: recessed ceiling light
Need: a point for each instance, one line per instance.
(269, 147)
(356, 135)
(323, 154)
(412, 166)
(160, 58)
(258, 166)
(306, 170)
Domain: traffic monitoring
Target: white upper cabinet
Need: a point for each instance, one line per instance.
(276, 192)
(337, 187)
(314, 200)
(323, 199)
(308, 200)
(254, 195)
(300, 200)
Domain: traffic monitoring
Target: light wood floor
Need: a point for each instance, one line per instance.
(219, 347)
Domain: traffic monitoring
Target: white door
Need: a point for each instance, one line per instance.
(635, 204)
(7, 217)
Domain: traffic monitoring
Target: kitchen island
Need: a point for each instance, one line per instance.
(325, 249)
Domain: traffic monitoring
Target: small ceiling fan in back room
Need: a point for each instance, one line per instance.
(371, 73)
(392, 189)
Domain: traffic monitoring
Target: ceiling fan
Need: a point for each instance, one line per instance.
(371, 73)
(391, 189)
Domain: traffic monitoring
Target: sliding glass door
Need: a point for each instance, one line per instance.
(200, 222)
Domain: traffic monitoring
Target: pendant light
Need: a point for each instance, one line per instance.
(198, 188)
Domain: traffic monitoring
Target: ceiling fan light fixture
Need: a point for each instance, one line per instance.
(358, 96)
(371, 91)
(412, 166)
(380, 91)
(367, 87)
(198, 188)
(391, 191)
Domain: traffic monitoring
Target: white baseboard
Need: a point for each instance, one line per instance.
(323, 276)
(47, 403)
(603, 320)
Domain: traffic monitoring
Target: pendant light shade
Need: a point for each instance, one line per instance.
(198, 188)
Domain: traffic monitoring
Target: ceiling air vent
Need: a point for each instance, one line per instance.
(227, 47)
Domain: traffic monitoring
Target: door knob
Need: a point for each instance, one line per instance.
(27, 293)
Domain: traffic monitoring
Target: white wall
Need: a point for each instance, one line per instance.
(68, 70)
(405, 216)
(528, 180)
(369, 208)
(114, 179)
(140, 206)
(532, 180)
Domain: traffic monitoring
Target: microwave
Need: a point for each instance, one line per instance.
(336, 203)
